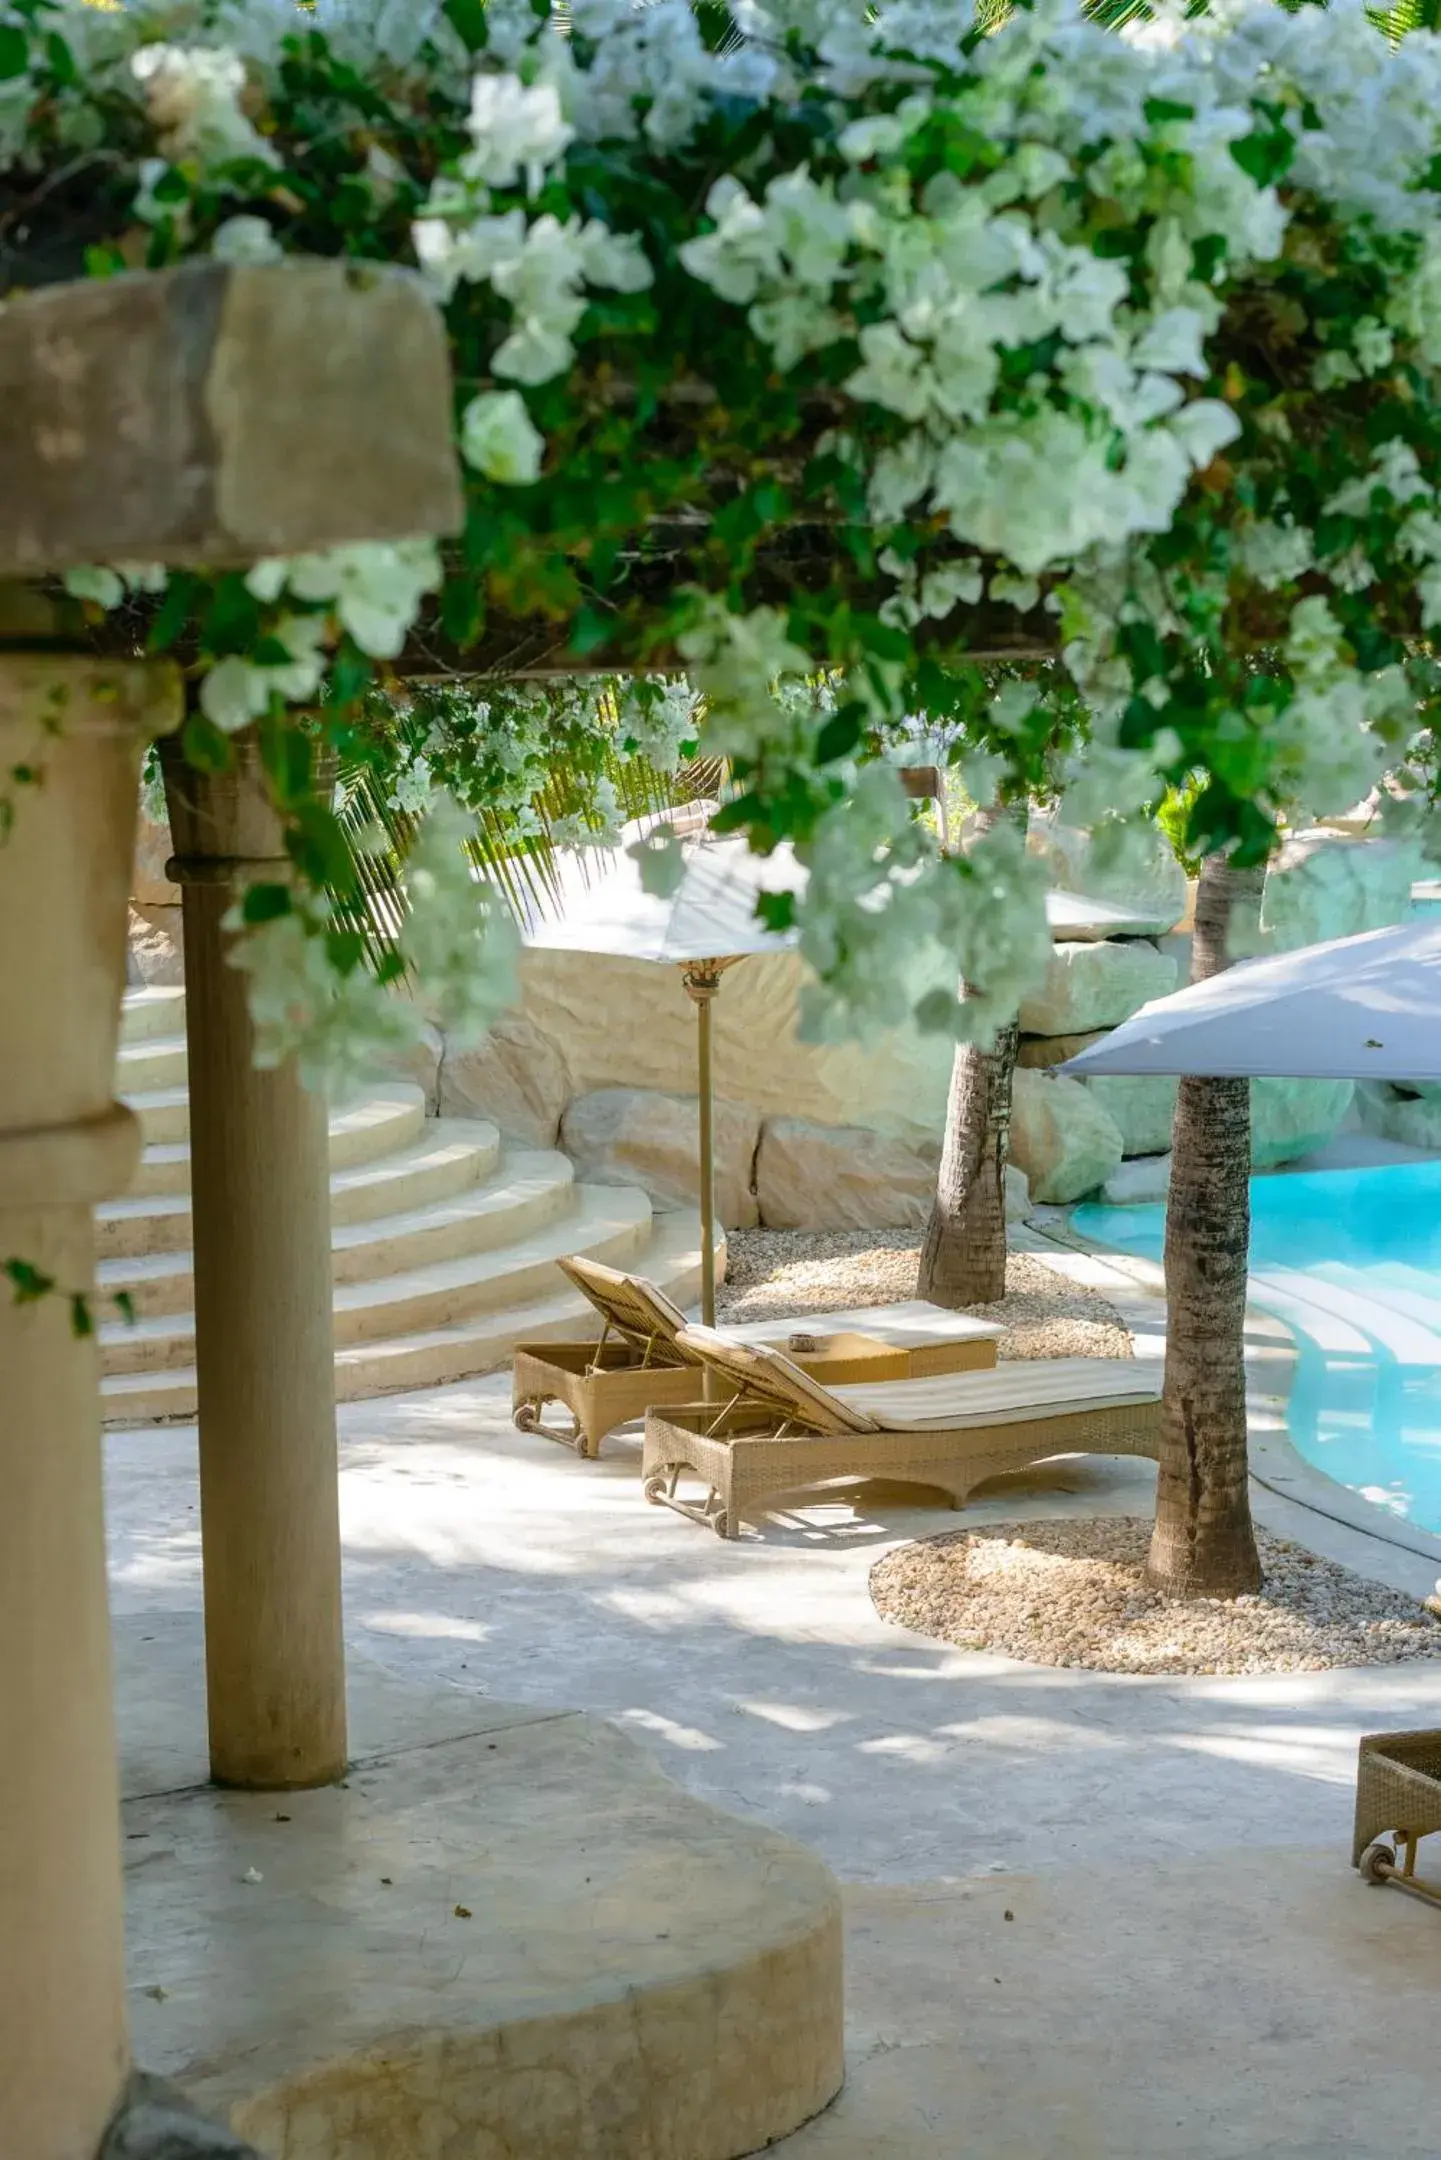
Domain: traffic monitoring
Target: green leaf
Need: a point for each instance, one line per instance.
(265, 903)
(777, 910)
(124, 1304)
(461, 613)
(839, 736)
(351, 675)
(14, 52)
(467, 20)
(206, 746)
(82, 1320)
(101, 261)
(28, 1282)
(346, 950)
(174, 610)
(172, 186)
(591, 630)
(1265, 157)
(62, 60)
(317, 846)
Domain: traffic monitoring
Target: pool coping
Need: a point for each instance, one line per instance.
(1137, 1288)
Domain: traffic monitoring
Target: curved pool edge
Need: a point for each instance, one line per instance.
(1276, 1463)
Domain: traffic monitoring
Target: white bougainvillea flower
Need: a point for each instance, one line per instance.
(246, 240)
(374, 586)
(106, 584)
(236, 691)
(459, 937)
(499, 438)
(94, 582)
(516, 131)
(192, 96)
(540, 267)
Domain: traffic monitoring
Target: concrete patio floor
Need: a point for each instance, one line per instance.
(1192, 1968)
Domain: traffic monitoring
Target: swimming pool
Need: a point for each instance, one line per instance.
(1351, 1261)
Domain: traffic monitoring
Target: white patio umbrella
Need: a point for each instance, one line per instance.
(1356, 1008)
(705, 926)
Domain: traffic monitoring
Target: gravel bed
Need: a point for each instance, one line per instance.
(780, 1274)
(1073, 1593)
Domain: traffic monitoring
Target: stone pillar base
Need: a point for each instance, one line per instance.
(526, 1940)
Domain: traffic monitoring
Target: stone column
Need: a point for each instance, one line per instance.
(76, 728)
(260, 1194)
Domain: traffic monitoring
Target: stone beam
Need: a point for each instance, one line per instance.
(210, 415)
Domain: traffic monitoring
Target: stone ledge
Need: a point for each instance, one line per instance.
(211, 414)
(527, 1941)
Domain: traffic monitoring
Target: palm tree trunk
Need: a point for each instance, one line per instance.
(1203, 1544)
(963, 1261)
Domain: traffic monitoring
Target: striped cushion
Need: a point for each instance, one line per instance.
(1026, 1389)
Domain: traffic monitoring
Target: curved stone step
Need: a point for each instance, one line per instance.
(451, 1155)
(532, 1190)
(164, 1114)
(146, 1014)
(384, 1119)
(609, 1223)
(430, 1357)
(154, 1062)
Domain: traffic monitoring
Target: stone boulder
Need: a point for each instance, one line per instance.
(629, 1023)
(1038, 1051)
(1148, 882)
(1396, 1113)
(1142, 1105)
(1018, 1194)
(1092, 986)
(841, 1177)
(517, 1077)
(634, 1136)
(1142, 1181)
(1323, 884)
(421, 1066)
(1293, 1117)
(148, 883)
(156, 946)
(1061, 1137)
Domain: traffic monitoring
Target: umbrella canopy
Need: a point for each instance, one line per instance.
(602, 907)
(711, 915)
(1357, 1008)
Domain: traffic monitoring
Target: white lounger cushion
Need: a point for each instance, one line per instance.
(912, 1325)
(1023, 1389)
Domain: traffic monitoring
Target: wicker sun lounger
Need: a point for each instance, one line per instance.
(771, 1428)
(1398, 1794)
(639, 1364)
(604, 1384)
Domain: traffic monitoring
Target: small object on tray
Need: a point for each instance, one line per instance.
(803, 1345)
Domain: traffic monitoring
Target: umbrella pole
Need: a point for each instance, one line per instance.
(702, 981)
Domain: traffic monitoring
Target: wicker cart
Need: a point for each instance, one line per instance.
(772, 1428)
(1398, 1795)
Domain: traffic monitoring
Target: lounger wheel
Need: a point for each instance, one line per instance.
(1377, 1863)
(526, 1415)
(657, 1488)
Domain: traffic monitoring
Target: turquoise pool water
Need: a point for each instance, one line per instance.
(1351, 1261)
